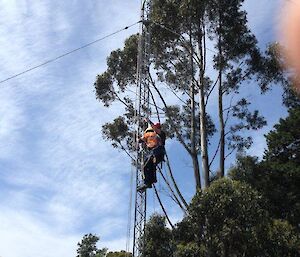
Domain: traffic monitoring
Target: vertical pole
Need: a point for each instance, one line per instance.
(143, 111)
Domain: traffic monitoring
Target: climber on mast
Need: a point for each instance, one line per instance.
(154, 139)
(158, 130)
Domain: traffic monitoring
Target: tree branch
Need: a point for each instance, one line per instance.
(122, 101)
(230, 152)
(181, 39)
(163, 208)
(172, 177)
(125, 150)
(215, 154)
(167, 112)
(229, 109)
(170, 188)
(153, 100)
(211, 90)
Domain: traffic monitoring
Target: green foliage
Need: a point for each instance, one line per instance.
(277, 177)
(256, 214)
(180, 32)
(234, 55)
(121, 73)
(246, 121)
(158, 238)
(283, 240)
(284, 142)
(246, 170)
(189, 250)
(181, 120)
(279, 185)
(230, 219)
(119, 133)
(104, 89)
(122, 63)
(87, 247)
(228, 19)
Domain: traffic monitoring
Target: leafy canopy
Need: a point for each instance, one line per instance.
(87, 247)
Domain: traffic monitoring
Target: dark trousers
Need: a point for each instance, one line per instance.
(150, 167)
(159, 153)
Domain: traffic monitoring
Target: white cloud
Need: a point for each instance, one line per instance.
(114, 245)
(12, 120)
(22, 235)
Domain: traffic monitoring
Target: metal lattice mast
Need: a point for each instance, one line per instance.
(143, 110)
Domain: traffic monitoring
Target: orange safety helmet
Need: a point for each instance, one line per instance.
(151, 138)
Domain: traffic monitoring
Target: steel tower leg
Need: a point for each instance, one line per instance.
(143, 111)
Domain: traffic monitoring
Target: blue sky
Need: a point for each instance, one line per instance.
(58, 178)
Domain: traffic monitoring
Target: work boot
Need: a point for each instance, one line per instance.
(144, 187)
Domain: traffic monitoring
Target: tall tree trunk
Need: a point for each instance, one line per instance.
(202, 109)
(194, 154)
(196, 170)
(203, 138)
(220, 93)
(222, 127)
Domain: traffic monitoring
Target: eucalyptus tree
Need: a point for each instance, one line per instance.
(88, 248)
(230, 219)
(279, 171)
(158, 237)
(171, 62)
(235, 58)
(182, 62)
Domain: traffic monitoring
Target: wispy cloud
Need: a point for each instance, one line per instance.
(60, 179)
(22, 235)
(12, 120)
